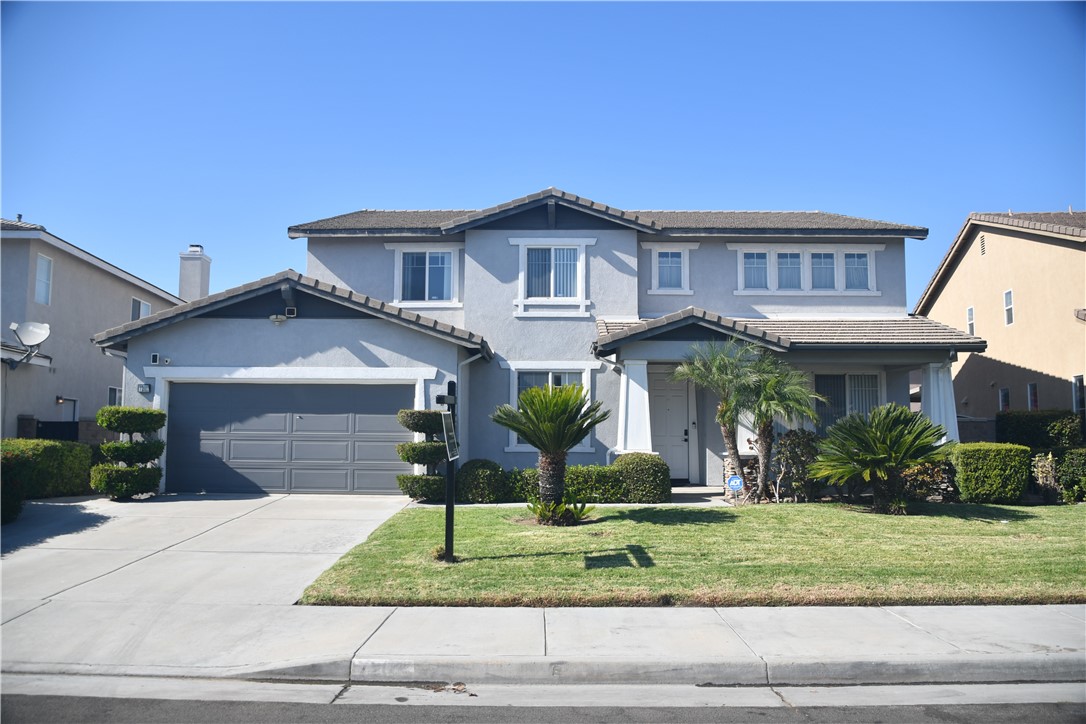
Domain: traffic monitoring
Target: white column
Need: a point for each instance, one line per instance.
(937, 398)
(638, 433)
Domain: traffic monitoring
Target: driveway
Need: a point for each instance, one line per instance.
(93, 582)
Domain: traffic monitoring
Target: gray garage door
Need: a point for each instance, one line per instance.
(246, 438)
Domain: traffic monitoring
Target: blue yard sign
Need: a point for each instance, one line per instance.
(735, 483)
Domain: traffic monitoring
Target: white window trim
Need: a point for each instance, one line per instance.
(684, 248)
(1031, 389)
(559, 306)
(49, 299)
(999, 399)
(142, 304)
(584, 368)
(851, 372)
(119, 396)
(1007, 307)
(838, 251)
(454, 301)
(970, 322)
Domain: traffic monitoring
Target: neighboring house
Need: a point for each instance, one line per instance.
(50, 281)
(1018, 280)
(292, 382)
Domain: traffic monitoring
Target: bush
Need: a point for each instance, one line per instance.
(595, 484)
(796, 450)
(142, 420)
(133, 453)
(117, 482)
(931, 479)
(991, 472)
(1038, 429)
(482, 481)
(47, 468)
(646, 477)
(11, 498)
(423, 487)
(1043, 468)
(428, 422)
(1071, 475)
(523, 485)
(421, 453)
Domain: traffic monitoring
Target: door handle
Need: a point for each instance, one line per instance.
(686, 435)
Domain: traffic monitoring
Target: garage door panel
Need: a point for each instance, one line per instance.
(257, 451)
(234, 437)
(317, 479)
(323, 424)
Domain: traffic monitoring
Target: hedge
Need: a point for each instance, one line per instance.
(423, 487)
(133, 453)
(141, 420)
(119, 483)
(421, 453)
(427, 422)
(1071, 475)
(11, 498)
(987, 472)
(482, 481)
(647, 477)
(596, 484)
(1038, 429)
(46, 468)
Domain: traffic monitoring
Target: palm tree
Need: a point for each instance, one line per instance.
(878, 449)
(552, 420)
(721, 369)
(774, 389)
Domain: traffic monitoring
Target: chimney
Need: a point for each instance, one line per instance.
(195, 279)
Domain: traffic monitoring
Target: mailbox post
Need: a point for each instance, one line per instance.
(452, 447)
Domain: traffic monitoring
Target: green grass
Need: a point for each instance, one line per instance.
(818, 554)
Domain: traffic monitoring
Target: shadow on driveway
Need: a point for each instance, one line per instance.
(45, 519)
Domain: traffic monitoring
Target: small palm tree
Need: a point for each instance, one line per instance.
(721, 369)
(552, 420)
(774, 389)
(878, 449)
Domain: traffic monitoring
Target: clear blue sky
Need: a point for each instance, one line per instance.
(134, 129)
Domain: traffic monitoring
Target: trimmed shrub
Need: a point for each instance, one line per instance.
(422, 453)
(931, 479)
(133, 453)
(428, 422)
(523, 485)
(117, 482)
(646, 477)
(423, 487)
(796, 450)
(482, 481)
(11, 498)
(142, 420)
(1035, 429)
(47, 468)
(595, 484)
(989, 472)
(1071, 475)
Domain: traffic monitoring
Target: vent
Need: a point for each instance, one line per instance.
(983, 246)
(291, 312)
(154, 358)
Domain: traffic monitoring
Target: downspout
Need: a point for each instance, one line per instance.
(614, 452)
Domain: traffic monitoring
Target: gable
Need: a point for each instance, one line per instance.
(263, 306)
(551, 217)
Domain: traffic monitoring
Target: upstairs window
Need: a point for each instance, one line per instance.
(426, 275)
(1032, 401)
(755, 270)
(789, 270)
(140, 309)
(552, 277)
(1004, 399)
(822, 268)
(552, 273)
(1078, 394)
(1008, 307)
(969, 321)
(856, 271)
(43, 280)
(670, 266)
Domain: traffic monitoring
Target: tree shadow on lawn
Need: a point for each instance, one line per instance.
(969, 511)
(670, 516)
(631, 556)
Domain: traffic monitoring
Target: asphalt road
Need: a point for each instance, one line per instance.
(21, 709)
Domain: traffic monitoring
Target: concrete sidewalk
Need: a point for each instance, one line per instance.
(202, 586)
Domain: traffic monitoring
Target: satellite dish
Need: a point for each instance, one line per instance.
(30, 335)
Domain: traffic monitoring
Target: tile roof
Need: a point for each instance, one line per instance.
(912, 331)
(376, 222)
(9, 225)
(121, 334)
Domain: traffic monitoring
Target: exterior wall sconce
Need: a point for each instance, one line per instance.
(143, 388)
(278, 319)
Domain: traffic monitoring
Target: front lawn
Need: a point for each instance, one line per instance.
(758, 555)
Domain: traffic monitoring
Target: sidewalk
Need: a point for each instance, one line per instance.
(205, 588)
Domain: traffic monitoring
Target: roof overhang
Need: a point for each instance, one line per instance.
(551, 197)
(689, 317)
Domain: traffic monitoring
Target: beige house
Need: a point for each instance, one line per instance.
(1019, 281)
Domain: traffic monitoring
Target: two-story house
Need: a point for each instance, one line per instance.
(292, 382)
(51, 281)
(1018, 279)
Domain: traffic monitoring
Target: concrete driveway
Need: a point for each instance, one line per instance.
(176, 579)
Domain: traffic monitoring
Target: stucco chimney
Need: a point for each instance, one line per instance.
(195, 279)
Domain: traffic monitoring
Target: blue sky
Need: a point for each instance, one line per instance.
(135, 129)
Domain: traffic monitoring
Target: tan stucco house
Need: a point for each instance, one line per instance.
(1019, 281)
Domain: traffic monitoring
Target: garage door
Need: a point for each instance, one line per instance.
(246, 438)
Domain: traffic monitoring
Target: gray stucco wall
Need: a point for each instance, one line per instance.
(85, 300)
(714, 274)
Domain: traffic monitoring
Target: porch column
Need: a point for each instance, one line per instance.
(637, 437)
(937, 398)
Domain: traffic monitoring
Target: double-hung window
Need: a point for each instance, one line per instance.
(1008, 307)
(856, 271)
(670, 266)
(114, 396)
(427, 275)
(789, 270)
(755, 270)
(528, 374)
(43, 280)
(1032, 400)
(822, 271)
(969, 321)
(140, 309)
(845, 394)
(1004, 399)
(552, 279)
(817, 268)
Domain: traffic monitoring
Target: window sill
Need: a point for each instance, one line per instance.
(805, 293)
(429, 305)
(671, 292)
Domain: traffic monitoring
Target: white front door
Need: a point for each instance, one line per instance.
(669, 404)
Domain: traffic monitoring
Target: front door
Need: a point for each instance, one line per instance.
(669, 404)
